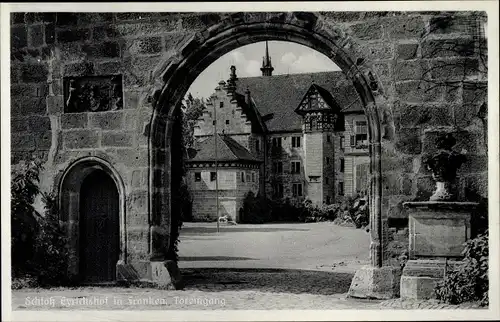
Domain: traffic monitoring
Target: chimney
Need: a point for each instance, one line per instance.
(248, 98)
(233, 73)
(231, 82)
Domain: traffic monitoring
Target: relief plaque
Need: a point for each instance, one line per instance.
(93, 94)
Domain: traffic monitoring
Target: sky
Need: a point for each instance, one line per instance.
(286, 58)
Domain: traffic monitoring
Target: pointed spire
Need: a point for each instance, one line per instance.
(267, 68)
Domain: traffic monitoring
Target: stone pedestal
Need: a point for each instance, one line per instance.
(164, 274)
(438, 231)
(375, 283)
(420, 277)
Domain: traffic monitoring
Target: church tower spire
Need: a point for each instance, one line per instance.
(267, 68)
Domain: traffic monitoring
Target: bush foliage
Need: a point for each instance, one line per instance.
(468, 282)
(258, 209)
(39, 250)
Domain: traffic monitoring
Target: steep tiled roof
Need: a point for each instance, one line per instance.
(251, 113)
(227, 150)
(281, 94)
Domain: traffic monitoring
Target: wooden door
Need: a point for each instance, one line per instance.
(99, 228)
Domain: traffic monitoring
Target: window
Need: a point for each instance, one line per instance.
(248, 177)
(342, 165)
(276, 142)
(296, 141)
(328, 138)
(278, 190)
(257, 145)
(353, 140)
(327, 200)
(242, 176)
(361, 127)
(327, 160)
(221, 104)
(197, 176)
(278, 167)
(361, 138)
(327, 180)
(227, 121)
(342, 142)
(297, 189)
(341, 188)
(253, 176)
(213, 122)
(213, 176)
(295, 166)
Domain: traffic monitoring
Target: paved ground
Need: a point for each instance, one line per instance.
(262, 267)
(313, 246)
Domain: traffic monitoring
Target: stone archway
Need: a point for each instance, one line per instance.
(70, 189)
(237, 30)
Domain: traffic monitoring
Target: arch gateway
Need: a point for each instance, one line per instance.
(145, 62)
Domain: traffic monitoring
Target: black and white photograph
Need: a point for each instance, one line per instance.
(250, 161)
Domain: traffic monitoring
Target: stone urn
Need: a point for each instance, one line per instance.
(439, 227)
(443, 165)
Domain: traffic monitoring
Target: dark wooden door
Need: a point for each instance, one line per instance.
(99, 228)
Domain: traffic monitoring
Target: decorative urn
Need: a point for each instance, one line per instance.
(443, 165)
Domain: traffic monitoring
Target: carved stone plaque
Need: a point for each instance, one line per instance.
(93, 93)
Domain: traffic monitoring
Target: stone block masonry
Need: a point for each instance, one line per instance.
(46, 47)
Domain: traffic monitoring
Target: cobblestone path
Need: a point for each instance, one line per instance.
(398, 304)
(221, 289)
(208, 289)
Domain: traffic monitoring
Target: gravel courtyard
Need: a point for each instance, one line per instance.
(312, 246)
(272, 266)
(243, 267)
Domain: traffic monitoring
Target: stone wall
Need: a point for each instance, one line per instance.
(230, 117)
(286, 155)
(401, 50)
(232, 191)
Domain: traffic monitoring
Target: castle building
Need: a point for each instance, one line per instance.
(288, 132)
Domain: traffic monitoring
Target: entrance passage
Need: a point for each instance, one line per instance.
(99, 228)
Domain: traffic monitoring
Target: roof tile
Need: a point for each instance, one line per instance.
(281, 94)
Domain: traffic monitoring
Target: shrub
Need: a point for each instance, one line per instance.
(287, 211)
(353, 211)
(469, 280)
(256, 209)
(314, 213)
(24, 217)
(51, 254)
(39, 252)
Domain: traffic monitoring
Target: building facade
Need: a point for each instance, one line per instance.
(295, 128)
(356, 162)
